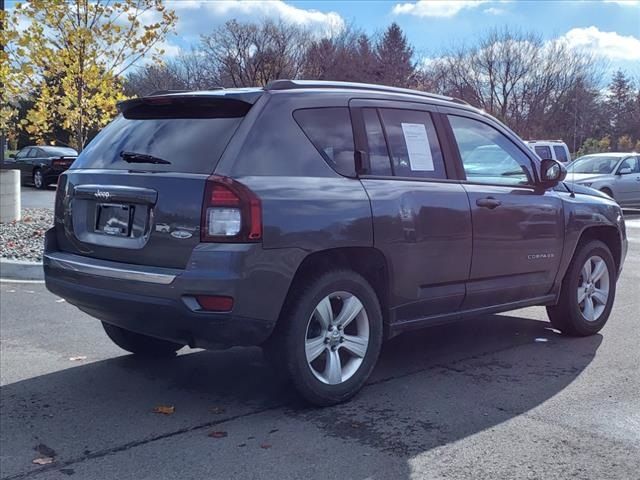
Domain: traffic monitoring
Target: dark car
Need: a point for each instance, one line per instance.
(317, 220)
(41, 165)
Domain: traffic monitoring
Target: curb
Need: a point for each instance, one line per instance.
(21, 270)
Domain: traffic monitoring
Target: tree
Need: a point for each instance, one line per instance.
(621, 107)
(253, 54)
(625, 144)
(188, 71)
(520, 79)
(593, 145)
(347, 56)
(74, 55)
(394, 58)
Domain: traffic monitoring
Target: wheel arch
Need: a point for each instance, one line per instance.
(366, 261)
(607, 234)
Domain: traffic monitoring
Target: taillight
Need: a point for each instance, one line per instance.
(230, 212)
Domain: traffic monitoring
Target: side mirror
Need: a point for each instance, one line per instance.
(625, 171)
(12, 155)
(552, 172)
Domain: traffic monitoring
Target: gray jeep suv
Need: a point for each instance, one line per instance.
(317, 220)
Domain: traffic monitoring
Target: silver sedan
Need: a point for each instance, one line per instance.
(616, 174)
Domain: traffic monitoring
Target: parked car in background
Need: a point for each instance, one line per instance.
(317, 219)
(616, 174)
(41, 165)
(555, 149)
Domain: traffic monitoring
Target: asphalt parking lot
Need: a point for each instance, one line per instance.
(31, 197)
(502, 396)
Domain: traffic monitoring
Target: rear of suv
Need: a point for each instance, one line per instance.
(318, 219)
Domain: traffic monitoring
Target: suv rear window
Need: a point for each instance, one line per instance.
(543, 152)
(330, 131)
(561, 153)
(190, 133)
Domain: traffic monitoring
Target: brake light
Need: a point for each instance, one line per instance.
(230, 212)
(60, 163)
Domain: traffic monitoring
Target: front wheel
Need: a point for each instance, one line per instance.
(329, 337)
(139, 344)
(587, 293)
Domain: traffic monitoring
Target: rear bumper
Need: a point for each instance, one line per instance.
(159, 302)
(51, 174)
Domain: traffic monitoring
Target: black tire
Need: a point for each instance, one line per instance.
(40, 183)
(139, 344)
(567, 315)
(607, 191)
(286, 349)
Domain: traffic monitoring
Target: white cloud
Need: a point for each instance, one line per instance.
(436, 8)
(196, 17)
(608, 44)
(495, 11)
(625, 3)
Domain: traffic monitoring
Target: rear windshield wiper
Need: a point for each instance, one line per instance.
(133, 157)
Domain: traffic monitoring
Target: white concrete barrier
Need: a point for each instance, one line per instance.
(9, 195)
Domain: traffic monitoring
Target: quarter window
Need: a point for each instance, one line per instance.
(487, 155)
(413, 144)
(329, 129)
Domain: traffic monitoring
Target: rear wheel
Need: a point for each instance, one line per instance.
(140, 344)
(588, 291)
(38, 179)
(329, 337)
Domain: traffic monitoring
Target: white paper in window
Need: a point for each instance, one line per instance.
(415, 136)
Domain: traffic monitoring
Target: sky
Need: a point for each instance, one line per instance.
(611, 28)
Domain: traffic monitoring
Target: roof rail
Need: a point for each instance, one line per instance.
(298, 84)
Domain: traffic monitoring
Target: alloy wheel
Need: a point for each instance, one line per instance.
(337, 338)
(37, 179)
(593, 288)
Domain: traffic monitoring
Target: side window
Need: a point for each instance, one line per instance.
(379, 161)
(413, 144)
(23, 153)
(543, 152)
(632, 163)
(33, 153)
(329, 129)
(487, 155)
(561, 153)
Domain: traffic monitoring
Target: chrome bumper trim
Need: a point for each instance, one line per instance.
(103, 268)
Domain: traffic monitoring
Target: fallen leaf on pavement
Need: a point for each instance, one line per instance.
(273, 431)
(44, 450)
(216, 410)
(165, 409)
(79, 357)
(265, 445)
(218, 434)
(43, 460)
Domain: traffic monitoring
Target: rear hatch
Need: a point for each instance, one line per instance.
(135, 193)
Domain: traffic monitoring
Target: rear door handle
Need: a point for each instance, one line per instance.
(488, 202)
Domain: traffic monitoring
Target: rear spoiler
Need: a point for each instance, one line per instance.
(217, 104)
